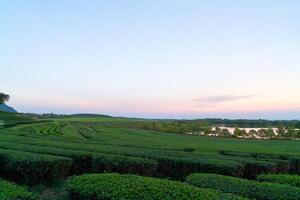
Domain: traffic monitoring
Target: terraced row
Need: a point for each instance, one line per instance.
(150, 162)
(130, 187)
(246, 188)
(197, 186)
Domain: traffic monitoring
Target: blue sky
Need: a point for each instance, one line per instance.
(172, 58)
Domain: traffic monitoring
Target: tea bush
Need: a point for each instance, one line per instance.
(245, 188)
(131, 187)
(87, 162)
(9, 191)
(32, 168)
(292, 180)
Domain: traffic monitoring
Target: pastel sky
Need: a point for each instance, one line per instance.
(152, 58)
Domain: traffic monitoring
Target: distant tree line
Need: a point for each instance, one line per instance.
(206, 127)
(279, 132)
(252, 123)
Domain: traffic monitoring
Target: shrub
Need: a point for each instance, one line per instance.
(285, 163)
(87, 162)
(158, 164)
(131, 187)
(294, 165)
(9, 191)
(260, 163)
(245, 188)
(178, 168)
(123, 164)
(292, 180)
(32, 168)
(252, 168)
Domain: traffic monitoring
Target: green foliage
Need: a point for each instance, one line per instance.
(178, 168)
(267, 133)
(32, 168)
(130, 187)
(89, 161)
(292, 180)
(252, 168)
(84, 161)
(143, 152)
(123, 164)
(267, 163)
(3, 97)
(9, 191)
(245, 188)
(96, 149)
(239, 132)
(224, 133)
(91, 147)
(13, 119)
(205, 127)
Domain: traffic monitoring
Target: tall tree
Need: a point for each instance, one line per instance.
(4, 97)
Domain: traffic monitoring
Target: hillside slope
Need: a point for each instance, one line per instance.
(6, 108)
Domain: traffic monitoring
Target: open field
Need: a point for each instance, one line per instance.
(45, 152)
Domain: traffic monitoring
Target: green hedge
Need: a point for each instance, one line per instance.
(93, 158)
(245, 188)
(292, 180)
(252, 168)
(176, 165)
(179, 168)
(90, 162)
(294, 164)
(32, 168)
(9, 191)
(123, 164)
(286, 163)
(170, 163)
(131, 187)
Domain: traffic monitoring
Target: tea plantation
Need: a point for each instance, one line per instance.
(49, 158)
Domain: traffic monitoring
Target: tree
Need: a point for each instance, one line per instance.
(297, 133)
(291, 132)
(225, 133)
(217, 131)
(252, 133)
(207, 130)
(237, 132)
(281, 130)
(266, 133)
(4, 97)
(270, 133)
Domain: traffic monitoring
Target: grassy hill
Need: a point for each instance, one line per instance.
(12, 119)
(49, 150)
